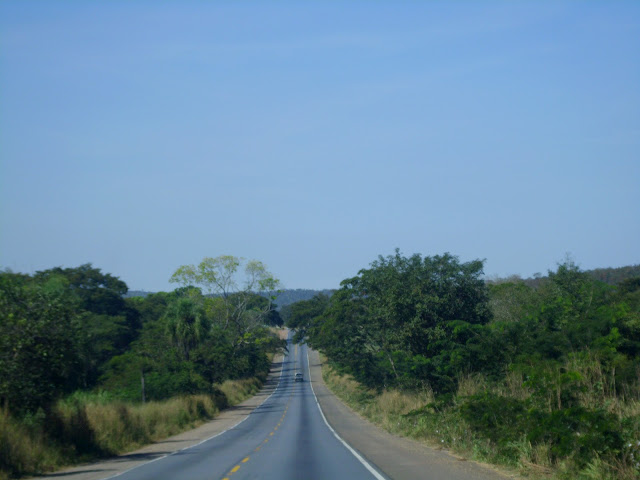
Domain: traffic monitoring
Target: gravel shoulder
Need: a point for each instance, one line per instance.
(399, 458)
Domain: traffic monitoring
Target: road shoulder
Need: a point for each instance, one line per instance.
(398, 457)
(226, 420)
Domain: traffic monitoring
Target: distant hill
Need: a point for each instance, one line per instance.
(286, 297)
(136, 293)
(611, 276)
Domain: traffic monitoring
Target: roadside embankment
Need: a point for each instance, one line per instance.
(85, 427)
(399, 458)
(496, 433)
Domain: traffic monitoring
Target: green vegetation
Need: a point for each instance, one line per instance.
(289, 296)
(283, 298)
(89, 425)
(87, 372)
(545, 380)
(610, 276)
(615, 276)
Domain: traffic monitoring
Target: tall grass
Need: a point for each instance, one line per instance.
(86, 426)
(235, 391)
(387, 409)
(22, 449)
(442, 423)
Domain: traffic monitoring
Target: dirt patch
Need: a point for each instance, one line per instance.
(283, 333)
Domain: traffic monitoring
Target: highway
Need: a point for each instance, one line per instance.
(286, 437)
(281, 434)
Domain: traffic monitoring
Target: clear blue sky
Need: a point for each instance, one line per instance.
(314, 136)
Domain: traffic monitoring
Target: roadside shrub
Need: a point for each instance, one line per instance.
(574, 433)
(500, 419)
(577, 433)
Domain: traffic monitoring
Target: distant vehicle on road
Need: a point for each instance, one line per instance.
(298, 377)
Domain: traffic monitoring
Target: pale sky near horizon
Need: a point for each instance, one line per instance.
(315, 136)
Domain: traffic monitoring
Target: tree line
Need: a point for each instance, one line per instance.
(68, 329)
(558, 364)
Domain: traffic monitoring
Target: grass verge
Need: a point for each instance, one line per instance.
(473, 427)
(87, 426)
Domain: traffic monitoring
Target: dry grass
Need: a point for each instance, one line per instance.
(386, 409)
(237, 391)
(446, 429)
(514, 387)
(119, 427)
(89, 426)
(21, 449)
(471, 385)
(282, 333)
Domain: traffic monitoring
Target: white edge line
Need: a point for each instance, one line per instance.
(211, 437)
(366, 464)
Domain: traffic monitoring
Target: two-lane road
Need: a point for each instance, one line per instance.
(285, 438)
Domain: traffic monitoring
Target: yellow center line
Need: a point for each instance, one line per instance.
(286, 408)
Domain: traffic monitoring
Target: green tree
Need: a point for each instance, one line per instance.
(38, 333)
(100, 293)
(511, 301)
(235, 281)
(304, 314)
(411, 317)
(108, 322)
(186, 324)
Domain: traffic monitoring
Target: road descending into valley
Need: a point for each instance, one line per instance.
(283, 434)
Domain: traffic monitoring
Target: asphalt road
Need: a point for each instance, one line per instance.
(281, 433)
(397, 457)
(286, 437)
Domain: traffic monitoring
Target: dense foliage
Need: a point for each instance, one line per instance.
(289, 296)
(556, 366)
(402, 322)
(67, 329)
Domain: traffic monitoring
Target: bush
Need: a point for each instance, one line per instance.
(573, 433)
(577, 433)
(500, 419)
